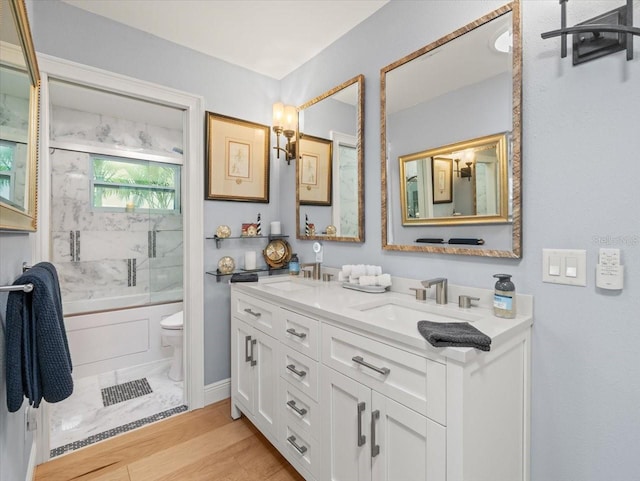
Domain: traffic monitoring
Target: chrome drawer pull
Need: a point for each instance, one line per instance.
(247, 343)
(382, 370)
(255, 314)
(300, 449)
(293, 332)
(253, 361)
(293, 369)
(292, 405)
(361, 437)
(375, 448)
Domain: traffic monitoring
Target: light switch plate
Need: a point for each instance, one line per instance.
(572, 261)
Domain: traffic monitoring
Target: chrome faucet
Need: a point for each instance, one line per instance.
(441, 288)
(316, 269)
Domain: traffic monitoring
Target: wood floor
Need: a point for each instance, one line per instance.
(201, 445)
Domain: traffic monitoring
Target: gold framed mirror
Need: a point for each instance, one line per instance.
(330, 165)
(463, 183)
(451, 140)
(19, 107)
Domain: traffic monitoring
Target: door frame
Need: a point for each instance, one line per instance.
(193, 207)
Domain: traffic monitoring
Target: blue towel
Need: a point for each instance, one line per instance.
(38, 362)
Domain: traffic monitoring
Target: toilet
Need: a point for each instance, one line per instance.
(171, 328)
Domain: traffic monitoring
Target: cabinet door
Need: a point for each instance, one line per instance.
(404, 444)
(242, 338)
(265, 354)
(346, 410)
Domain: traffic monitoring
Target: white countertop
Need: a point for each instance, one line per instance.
(355, 309)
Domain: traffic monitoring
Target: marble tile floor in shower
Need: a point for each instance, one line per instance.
(83, 416)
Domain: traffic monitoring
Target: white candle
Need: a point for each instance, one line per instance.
(250, 260)
(275, 228)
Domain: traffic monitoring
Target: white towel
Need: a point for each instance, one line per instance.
(358, 270)
(346, 270)
(383, 280)
(367, 280)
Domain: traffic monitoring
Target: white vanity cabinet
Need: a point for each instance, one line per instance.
(344, 398)
(254, 363)
(368, 435)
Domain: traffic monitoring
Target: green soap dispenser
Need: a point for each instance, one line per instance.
(504, 300)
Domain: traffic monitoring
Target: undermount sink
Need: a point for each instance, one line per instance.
(286, 286)
(399, 311)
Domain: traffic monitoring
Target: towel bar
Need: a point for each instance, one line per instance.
(19, 287)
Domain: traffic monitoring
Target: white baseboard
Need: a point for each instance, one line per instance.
(217, 391)
(31, 467)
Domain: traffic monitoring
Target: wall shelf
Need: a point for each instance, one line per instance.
(219, 275)
(269, 237)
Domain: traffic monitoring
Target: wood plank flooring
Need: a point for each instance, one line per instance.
(202, 445)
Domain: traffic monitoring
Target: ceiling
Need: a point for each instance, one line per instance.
(271, 37)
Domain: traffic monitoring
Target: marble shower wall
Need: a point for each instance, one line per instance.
(95, 251)
(91, 129)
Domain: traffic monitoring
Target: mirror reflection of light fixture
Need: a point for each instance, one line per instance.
(284, 122)
(467, 156)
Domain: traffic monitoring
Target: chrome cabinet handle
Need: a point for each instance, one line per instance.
(254, 314)
(293, 369)
(361, 437)
(253, 361)
(375, 448)
(247, 342)
(293, 332)
(300, 449)
(382, 370)
(292, 405)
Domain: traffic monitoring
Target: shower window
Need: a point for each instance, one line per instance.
(121, 184)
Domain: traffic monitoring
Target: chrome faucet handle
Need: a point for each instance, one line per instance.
(465, 301)
(421, 293)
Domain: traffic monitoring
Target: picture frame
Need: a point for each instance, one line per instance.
(237, 165)
(442, 180)
(314, 165)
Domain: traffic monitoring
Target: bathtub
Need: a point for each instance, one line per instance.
(115, 333)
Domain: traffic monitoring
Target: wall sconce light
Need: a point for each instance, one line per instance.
(284, 122)
(467, 156)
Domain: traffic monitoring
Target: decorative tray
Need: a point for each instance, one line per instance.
(370, 289)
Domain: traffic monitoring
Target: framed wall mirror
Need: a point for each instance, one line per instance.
(329, 167)
(19, 89)
(450, 141)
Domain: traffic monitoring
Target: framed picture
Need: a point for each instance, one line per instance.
(237, 166)
(314, 170)
(442, 175)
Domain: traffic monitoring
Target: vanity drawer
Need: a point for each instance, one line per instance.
(414, 381)
(300, 333)
(298, 409)
(255, 312)
(300, 449)
(299, 370)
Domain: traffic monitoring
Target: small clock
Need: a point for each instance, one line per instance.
(277, 253)
(226, 265)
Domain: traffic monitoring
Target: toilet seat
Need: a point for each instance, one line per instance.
(173, 322)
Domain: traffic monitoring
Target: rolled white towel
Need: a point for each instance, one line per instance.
(353, 280)
(378, 270)
(346, 270)
(367, 280)
(370, 270)
(383, 280)
(358, 270)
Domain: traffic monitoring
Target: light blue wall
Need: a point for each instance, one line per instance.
(73, 34)
(580, 172)
(15, 441)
